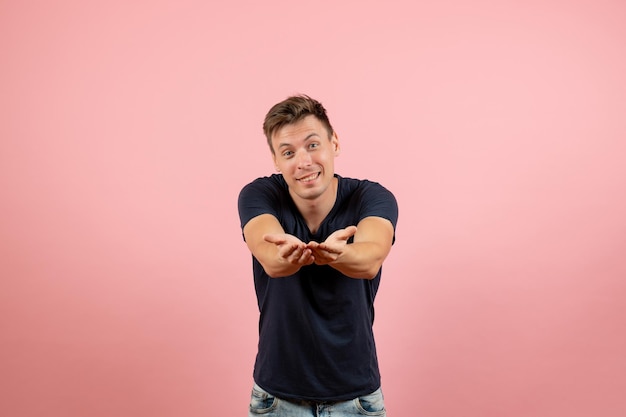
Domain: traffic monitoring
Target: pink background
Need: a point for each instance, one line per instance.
(128, 128)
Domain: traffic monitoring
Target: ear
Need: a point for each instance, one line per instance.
(335, 141)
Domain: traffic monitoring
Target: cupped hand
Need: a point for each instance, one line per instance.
(291, 249)
(329, 250)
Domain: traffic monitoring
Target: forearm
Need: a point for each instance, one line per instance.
(360, 260)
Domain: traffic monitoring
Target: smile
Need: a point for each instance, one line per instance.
(309, 178)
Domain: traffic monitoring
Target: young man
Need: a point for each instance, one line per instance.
(318, 242)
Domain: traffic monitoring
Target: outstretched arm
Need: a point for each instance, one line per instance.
(279, 253)
(363, 257)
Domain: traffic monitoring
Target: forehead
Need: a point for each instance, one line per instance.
(300, 130)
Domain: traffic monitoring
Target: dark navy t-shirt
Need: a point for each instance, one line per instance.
(315, 328)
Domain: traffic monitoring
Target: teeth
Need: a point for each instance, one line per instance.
(309, 178)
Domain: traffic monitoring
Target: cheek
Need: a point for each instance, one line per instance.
(326, 159)
(284, 166)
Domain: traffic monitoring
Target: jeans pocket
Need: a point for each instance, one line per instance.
(261, 402)
(371, 404)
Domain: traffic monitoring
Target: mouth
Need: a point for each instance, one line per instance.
(309, 178)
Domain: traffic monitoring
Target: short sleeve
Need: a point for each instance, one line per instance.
(264, 195)
(379, 202)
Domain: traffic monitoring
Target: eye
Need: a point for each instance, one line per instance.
(287, 154)
(314, 145)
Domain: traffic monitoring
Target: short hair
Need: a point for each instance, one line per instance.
(292, 110)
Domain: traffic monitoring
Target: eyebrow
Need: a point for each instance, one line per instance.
(280, 145)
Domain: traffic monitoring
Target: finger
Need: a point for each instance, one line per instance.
(324, 255)
(348, 232)
(305, 257)
(342, 234)
(274, 238)
(291, 252)
(326, 250)
(308, 259)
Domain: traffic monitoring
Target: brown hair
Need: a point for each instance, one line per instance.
(292, 110)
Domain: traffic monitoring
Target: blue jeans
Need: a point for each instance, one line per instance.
(265, 404)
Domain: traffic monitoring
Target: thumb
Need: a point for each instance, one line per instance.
(274, 238)
(348, 232)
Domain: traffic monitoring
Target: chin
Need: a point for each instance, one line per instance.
(312, 194)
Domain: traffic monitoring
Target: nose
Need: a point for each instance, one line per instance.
(303, 159)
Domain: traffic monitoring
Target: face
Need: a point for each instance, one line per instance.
(305, 156)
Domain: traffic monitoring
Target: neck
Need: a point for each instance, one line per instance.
(314, 211)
